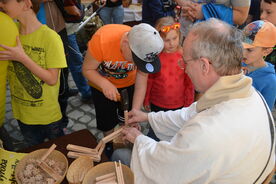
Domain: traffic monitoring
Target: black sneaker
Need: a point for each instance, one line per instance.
(73, 92)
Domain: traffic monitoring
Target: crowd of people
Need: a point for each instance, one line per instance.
(201, 77)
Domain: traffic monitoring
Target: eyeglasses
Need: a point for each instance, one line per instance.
(166, 29)
(182, 63)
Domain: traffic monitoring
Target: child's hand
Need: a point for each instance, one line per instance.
(13, 53)
(110, 91)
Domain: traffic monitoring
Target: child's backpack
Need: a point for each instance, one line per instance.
(72, 10)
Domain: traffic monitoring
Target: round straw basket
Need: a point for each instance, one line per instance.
(55, 155)
(106, 168)
(78, 169)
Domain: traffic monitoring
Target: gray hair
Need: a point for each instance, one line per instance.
(221, 43)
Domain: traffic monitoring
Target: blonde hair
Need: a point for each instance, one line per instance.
(165, 21)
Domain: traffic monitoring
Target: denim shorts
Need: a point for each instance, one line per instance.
(36, 134)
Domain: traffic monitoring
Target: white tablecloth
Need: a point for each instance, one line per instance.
(133, 13)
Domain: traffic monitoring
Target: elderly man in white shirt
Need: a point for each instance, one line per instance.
(226, 137)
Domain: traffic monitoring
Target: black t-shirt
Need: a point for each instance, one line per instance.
(111, 4)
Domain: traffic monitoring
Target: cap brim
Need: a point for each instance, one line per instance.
(147, 67)
(247, 46)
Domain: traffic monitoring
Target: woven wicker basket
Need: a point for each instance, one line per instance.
(55, 155)
(78, 169)
(106, 168)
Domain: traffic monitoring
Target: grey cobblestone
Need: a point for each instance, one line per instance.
(86, 108)
(75, 114)
(75, 101)
(92, 123)
(78, 126)
(85, 119)
(70, 124)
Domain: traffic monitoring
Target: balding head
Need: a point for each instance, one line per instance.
(220, 43)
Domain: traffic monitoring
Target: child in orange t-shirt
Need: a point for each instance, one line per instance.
(114, 53)
(171, 88)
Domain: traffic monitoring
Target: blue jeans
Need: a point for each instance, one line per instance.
(112, 15)
(36, 134)
(75, 61)
(122, 154)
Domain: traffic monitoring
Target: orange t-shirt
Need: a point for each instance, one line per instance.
(105, 48)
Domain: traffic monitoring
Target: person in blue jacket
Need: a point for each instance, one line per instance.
(155, 9)
(259, 40)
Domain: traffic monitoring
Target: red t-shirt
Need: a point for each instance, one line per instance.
(171, 87)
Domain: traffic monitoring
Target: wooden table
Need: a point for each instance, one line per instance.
(81, 138)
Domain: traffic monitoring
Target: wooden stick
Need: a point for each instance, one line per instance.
(82, 149)
(99, 178)
(48, 152)
(99, 145)
(72, 154)
(50, 171)
(121, 172)
(84, 154)
(126, 116)
(45, 167)
(112, 136)
(107, 182)
(111, 178)
(101, 150)
(119, 178)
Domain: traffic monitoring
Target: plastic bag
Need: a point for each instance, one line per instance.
(8, 162)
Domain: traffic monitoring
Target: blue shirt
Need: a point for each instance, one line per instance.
(264, 80)
(153, 10)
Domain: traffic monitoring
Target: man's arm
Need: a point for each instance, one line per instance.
(164, 124)
(240, 14)
(89, 70)
(195, 12)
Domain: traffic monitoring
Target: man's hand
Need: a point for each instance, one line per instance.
(193, 11)
(130, 134)
(13, 53)
(137, 116)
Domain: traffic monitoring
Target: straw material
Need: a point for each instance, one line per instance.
(55, 155)
(78, 169)
(106, 168)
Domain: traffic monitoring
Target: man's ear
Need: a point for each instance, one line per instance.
(204, 65)
(267, 51)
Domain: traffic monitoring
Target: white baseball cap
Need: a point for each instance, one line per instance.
(145, 44)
